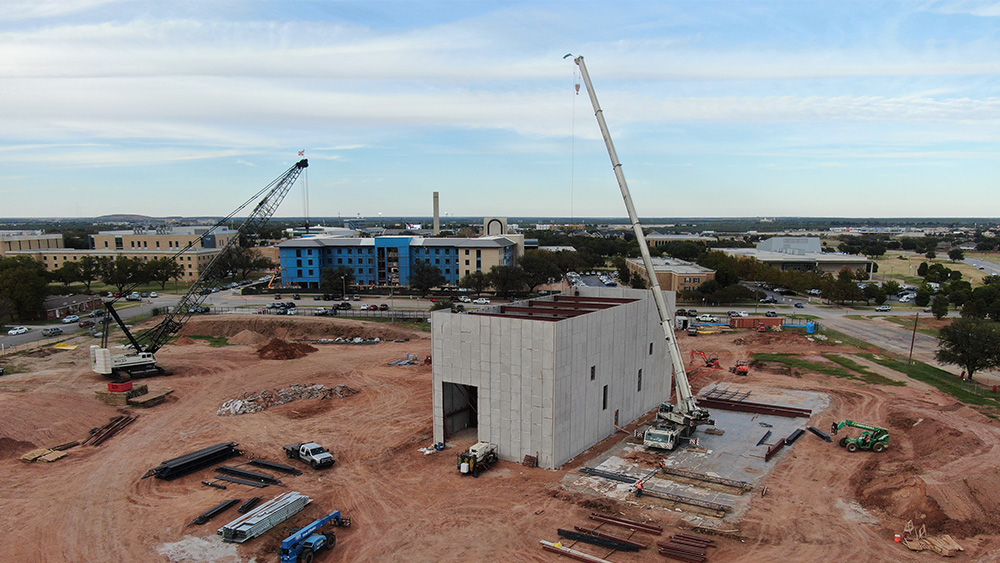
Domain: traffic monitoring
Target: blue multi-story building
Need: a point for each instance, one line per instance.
(389, 260)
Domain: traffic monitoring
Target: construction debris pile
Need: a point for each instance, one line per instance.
(262, 400)
(278, 349)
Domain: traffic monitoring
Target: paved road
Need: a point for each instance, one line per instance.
(35, 334)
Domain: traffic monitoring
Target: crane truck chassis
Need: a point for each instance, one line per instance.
(673, 421)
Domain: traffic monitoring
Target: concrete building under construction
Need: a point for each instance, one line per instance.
(550, 377)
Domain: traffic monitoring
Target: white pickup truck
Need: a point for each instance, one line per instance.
(310, 452)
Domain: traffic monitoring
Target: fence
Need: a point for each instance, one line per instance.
(311, 312)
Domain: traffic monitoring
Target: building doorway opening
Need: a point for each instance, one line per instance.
(461, 408)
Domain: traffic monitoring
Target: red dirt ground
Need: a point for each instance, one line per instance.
(823, 504)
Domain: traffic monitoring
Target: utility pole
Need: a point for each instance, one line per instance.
(913, 339)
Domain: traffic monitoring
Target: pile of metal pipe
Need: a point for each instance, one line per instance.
(194, 461)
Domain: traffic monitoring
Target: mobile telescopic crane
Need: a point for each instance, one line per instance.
(140, 360)
(874, 438)
(673, 422)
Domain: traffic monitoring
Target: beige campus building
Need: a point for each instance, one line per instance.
(176, 238)
(193, 261)
(672, 274)
(14, 241)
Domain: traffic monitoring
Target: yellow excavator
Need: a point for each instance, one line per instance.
(872, 438)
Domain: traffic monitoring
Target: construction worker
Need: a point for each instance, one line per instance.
(638, 489)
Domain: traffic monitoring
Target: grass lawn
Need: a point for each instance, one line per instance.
(939, 378)
(845, 368)
(907, 323)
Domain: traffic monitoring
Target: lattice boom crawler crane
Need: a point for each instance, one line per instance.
(140, 361)
(673, 422)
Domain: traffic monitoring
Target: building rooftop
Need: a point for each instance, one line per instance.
(553, 308)
(770, 256)
(676, 265)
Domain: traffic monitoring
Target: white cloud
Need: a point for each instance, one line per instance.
(36, 9)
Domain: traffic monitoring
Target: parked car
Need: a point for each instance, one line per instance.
(86, 323)
(96, 313)
(344, 306)
(317, 297)
(18, 330)
(681, 313)
(769, 299)
(883, 308)
(52, 331)
(771, 314)
(70, 319)
(363, 307)
(277, 296)
(692, 312)
(153, 295)
(296, 296)
(465, 299)
(708, 318)
(799, 305)
(383, 307)
(356, 297)
(482, 301)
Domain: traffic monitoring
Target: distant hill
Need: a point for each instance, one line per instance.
(129, 218)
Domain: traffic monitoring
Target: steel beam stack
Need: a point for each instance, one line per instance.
(264, 517)
(189, 463)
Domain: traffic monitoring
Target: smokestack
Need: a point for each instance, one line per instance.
(437, 216)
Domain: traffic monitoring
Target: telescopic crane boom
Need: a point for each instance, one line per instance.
(674, 422)
(140, 360)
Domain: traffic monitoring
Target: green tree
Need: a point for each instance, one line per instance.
(476, 281)
(539, 267)
(923, 296)
(931, 255)
(336, 280)
(23, 284)
(123, 271)
(90, 268)
(972, 344)
(162, 270)
(891, 287)
(922, 269)
(621, 264)
(68, 273)
(939, 306)
(874, 293)
(507, 279)
(424, 276)
(956, 254)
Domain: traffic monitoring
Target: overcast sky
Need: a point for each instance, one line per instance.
(854, 109)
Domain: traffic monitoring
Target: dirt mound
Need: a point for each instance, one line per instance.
(933, 439)
(42, 352)
(278, 349)
(185, 341)
(247, 338)
(10, 447)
